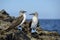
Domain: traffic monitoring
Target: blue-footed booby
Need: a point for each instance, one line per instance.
(22, 13)
(34, 22)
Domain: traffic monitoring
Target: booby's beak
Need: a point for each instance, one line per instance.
(32, 14)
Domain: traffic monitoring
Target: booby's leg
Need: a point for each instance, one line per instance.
(19, 28)
(33, 30)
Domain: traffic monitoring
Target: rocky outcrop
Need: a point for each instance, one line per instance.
(9, 31)
(5, 16)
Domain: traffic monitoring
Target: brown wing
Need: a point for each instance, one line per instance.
(38, 24)
(15, 23)
(30, 23)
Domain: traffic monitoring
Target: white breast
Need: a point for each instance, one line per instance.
(34, 22)
(35, 19)
(23, 19)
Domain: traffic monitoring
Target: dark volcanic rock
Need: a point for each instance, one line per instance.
(5, 16)
(9, 31)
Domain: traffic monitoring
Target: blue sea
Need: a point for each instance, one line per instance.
(50, 24)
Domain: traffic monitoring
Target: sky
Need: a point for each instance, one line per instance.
(47, 9)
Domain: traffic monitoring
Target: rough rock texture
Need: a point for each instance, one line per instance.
(9, 31)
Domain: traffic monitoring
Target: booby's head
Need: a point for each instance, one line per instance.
(35, 14)
(22, 12)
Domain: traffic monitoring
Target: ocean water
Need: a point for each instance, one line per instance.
(50, 24)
